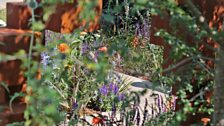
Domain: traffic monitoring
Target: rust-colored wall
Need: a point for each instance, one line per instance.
(16, 13)
(10, 72)
(65, 18)
(9, 117)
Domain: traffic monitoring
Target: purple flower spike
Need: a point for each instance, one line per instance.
(104, 90)
(74, 105)
(137, 29)
(113, 110)
(121, 97)
(145, 29)
(84, 48)
(113, 88)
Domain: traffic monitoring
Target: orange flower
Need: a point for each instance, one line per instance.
(103, 49)
(205, 121)
(97, 120)
(63, 48)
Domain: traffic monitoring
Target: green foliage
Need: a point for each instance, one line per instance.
(16, 124)
(145, 59)
(193, 75)
(16, 95)
(86, 6)
(162, 120)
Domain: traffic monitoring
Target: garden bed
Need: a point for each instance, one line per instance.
(155, 101)
(87, 58)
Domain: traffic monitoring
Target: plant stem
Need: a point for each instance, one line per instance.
(56, 89)
(31, 47)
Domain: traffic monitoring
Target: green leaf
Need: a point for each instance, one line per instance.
(38, 26)
(5, 86)
(109, 18)
(16, 95)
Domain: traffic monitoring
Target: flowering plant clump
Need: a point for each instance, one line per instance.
(111, 94)
(82, 66)
(88, 64)
(79, 63)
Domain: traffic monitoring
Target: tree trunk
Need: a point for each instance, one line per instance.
(219, 89)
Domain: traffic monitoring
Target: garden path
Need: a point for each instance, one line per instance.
(138, 85)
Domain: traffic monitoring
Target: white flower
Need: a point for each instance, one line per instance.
(201, 19)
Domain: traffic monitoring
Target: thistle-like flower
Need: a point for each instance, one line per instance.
(45, 59)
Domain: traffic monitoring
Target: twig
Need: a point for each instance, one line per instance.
(201, 93)
(182, 62)
(56, 89)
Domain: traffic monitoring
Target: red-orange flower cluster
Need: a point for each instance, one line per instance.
(103, 49)
(135, 42)
(97, 120)
(205, 121)
(63, 48)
